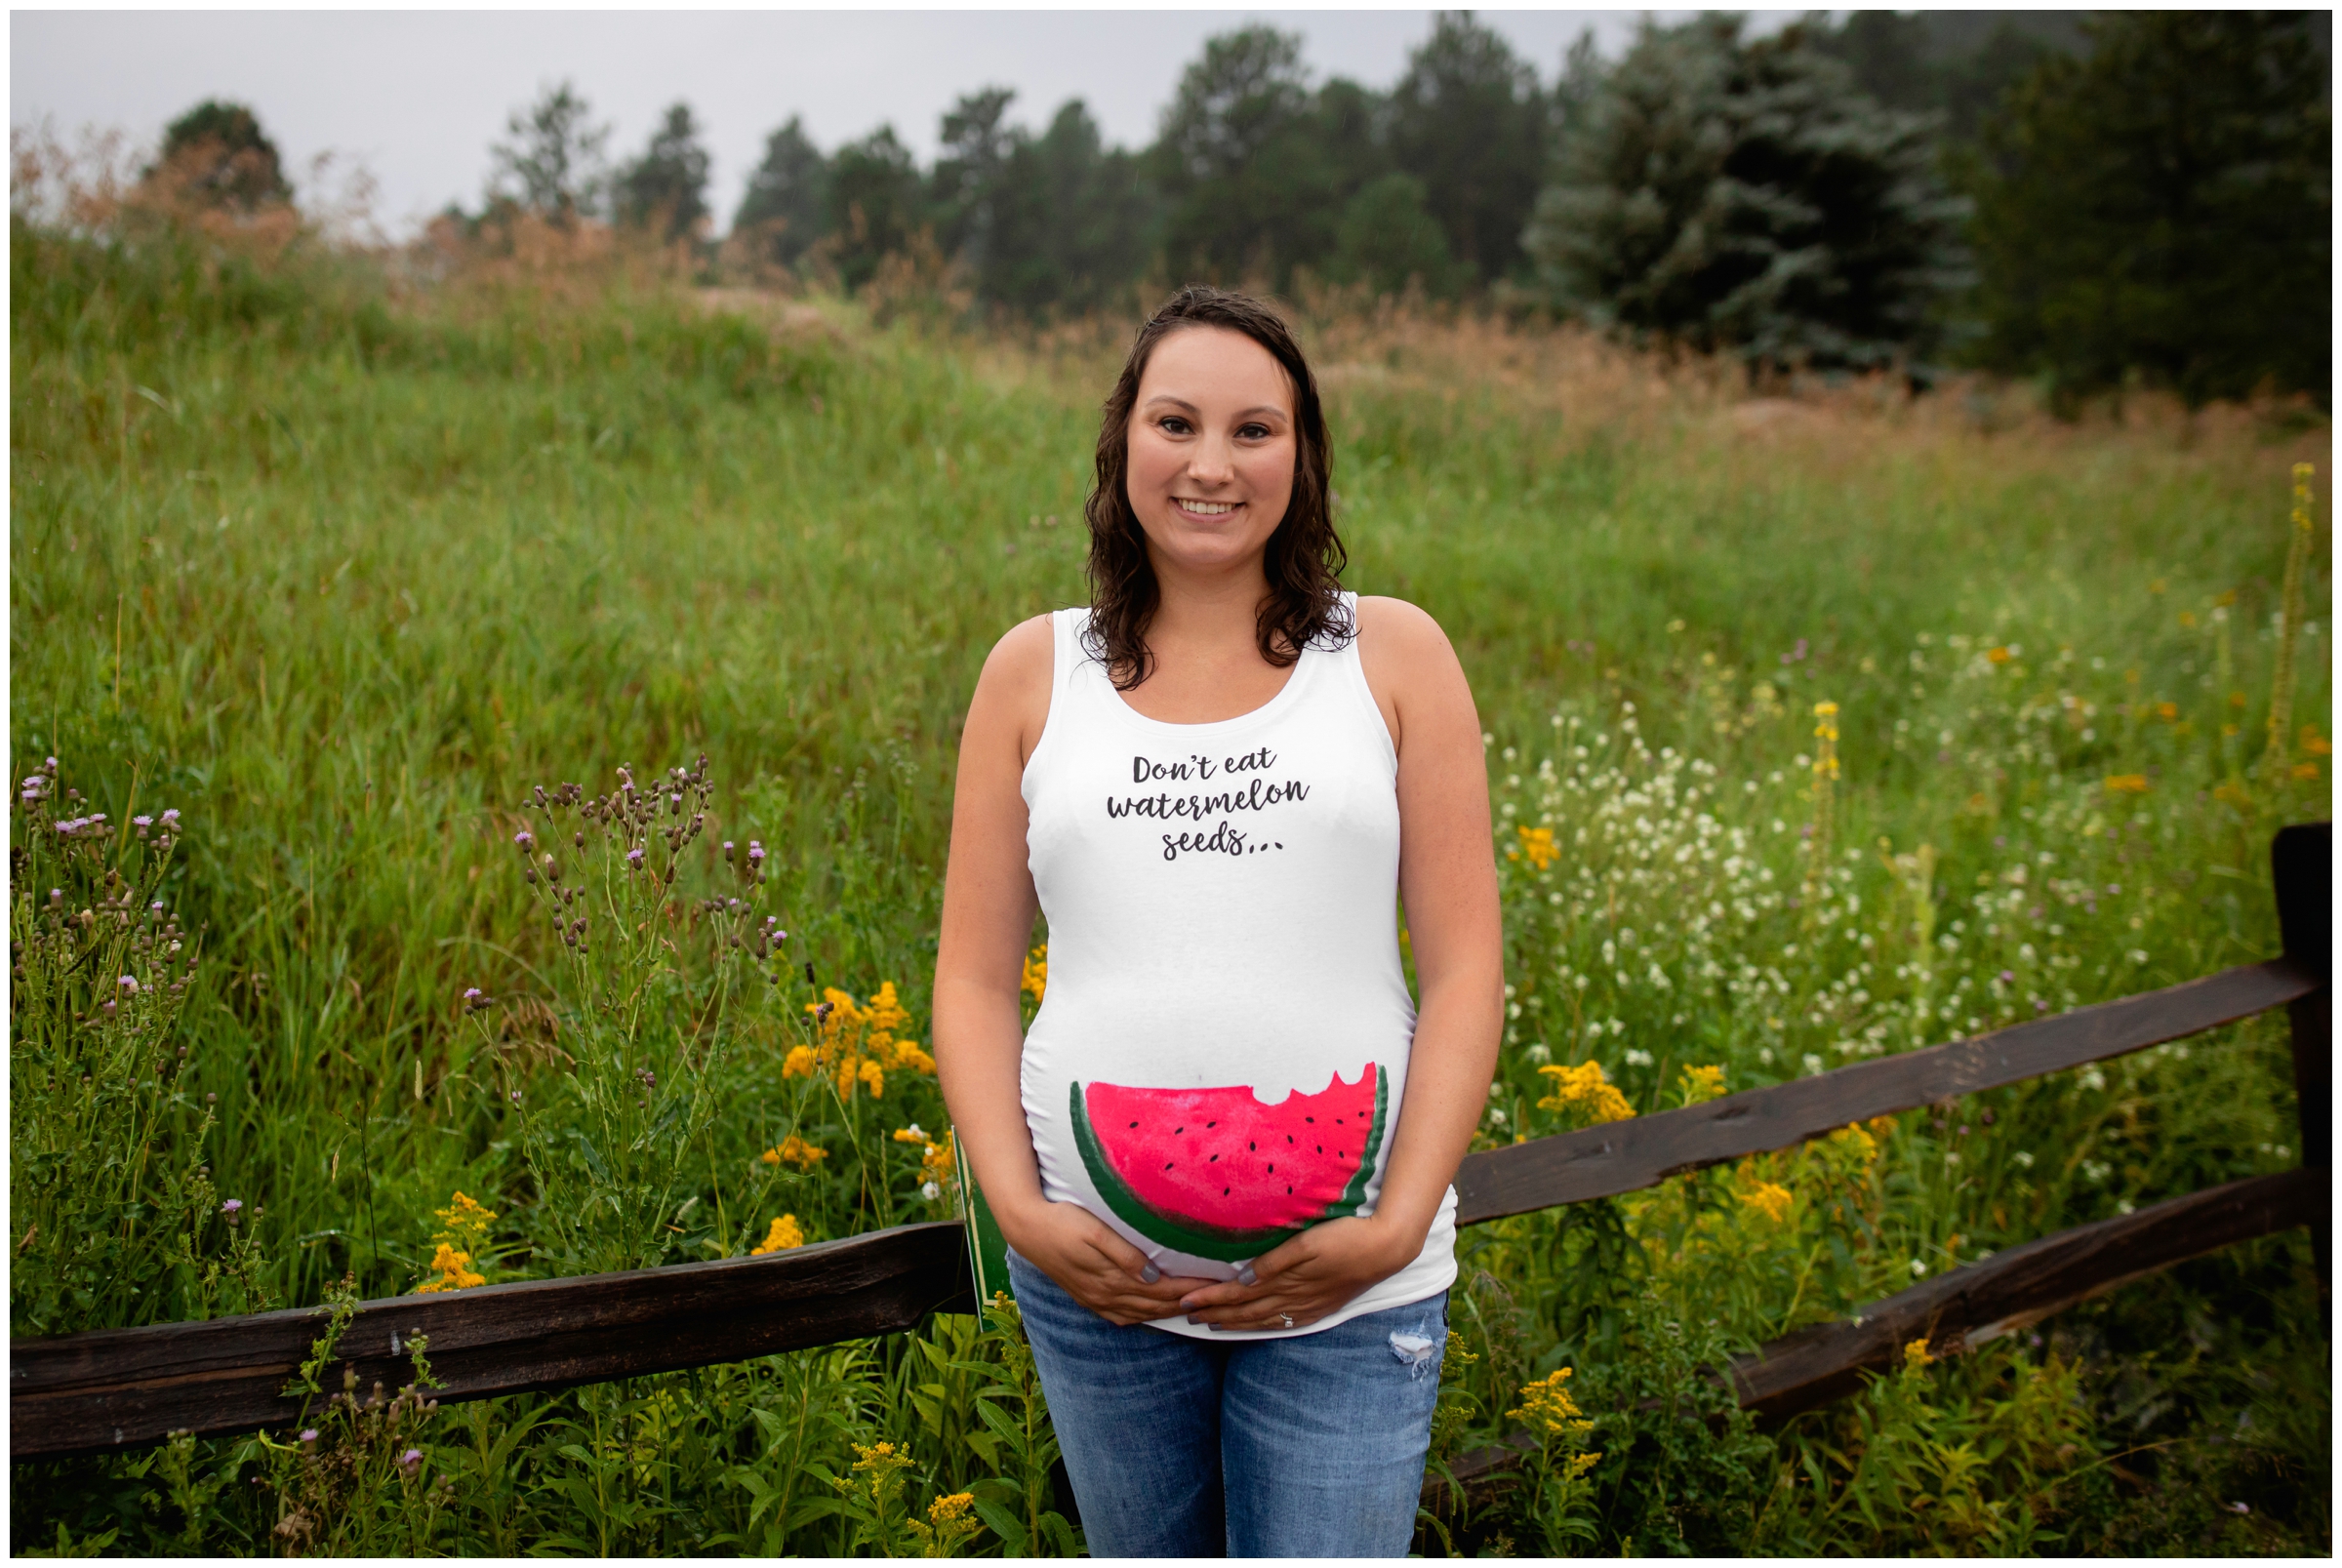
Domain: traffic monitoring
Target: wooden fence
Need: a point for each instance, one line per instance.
(117, 1388)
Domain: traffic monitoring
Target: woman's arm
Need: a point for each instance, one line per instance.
(1447, 881)
(989, 906)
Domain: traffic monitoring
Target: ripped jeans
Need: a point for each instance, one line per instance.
(1304, 1447)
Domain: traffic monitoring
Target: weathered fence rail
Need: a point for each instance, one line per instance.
(118, 1387)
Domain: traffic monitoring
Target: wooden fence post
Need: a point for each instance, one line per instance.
(2301, 863)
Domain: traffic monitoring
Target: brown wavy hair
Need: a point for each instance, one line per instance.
(1305, 558)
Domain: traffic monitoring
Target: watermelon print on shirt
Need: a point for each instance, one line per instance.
(1216, 1172)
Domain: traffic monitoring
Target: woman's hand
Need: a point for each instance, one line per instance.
(1320, 1271)
(1096, 1267)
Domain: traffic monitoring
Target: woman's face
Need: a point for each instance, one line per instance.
(1212, 450)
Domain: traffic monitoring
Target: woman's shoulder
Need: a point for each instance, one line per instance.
(1393, 628)
(1024, 657)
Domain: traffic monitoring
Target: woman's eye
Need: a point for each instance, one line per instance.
(1173, 424)
(1254, 432)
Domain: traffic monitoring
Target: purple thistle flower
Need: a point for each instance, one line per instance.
(755, 851)
(634, 860)
(525, 839)
(142, 822)
(308, 1434)
(171, 818)
(129, 985)
(411, 1461)
(2008, 976)
(49, 766)
(232, 1206)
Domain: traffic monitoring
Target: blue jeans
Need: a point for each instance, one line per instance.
(1304, 1447)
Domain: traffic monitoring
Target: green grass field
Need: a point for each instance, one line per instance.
(340, 571)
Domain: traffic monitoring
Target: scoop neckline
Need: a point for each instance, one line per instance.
(1284, 697)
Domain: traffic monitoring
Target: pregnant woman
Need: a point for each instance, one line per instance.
(1222, 1157)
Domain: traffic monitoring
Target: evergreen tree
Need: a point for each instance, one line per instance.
(665, 189)
(786, 205)
(2164, 206)
(1389, 238)
(1728, 193)
(1074, 221)
(977, 145)
(875, 204)
(223, 156)
(1467, 121)
(551, 162)
(1224, 157)
(1955, 64)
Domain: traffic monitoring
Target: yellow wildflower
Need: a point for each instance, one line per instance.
(1851, 1136)
(1699, 1084)
(455, 1271)
(464, 1225)
(941, 1163)
(1998, 655)
(1583, 1463)
(1546, 1403)
(1769, 1198)
(2305, 770)
(2127, 784)
(880, 1457)
(2166, 711)
(464, 1220)
(785, 1234)
(1537, 843)
(1585, 1091)
(795, 1151)
(1036, 972)
(2316, 744)
(1916, 1356)
(858, 1041)
(909, 1135)
(798, 1064)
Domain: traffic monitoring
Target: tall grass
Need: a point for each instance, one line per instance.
(342, 565)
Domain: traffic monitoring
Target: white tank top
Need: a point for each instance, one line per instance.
(1221, 1054)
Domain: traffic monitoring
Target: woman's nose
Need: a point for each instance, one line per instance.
(1213, 461)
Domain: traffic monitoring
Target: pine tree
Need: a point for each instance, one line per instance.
(2164, 206)
(1467, 121)
(1742, 195)
(1074, 221)
(786, 206)
(223, 157)
(875, 204)
(665, 189)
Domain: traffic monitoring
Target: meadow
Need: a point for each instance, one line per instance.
(386, 609)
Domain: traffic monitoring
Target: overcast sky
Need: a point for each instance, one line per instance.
(419, 96)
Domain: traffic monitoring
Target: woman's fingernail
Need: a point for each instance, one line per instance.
(1150, 1275)
(1245, 1276)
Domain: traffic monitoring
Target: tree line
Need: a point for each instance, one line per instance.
(2091, 199)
